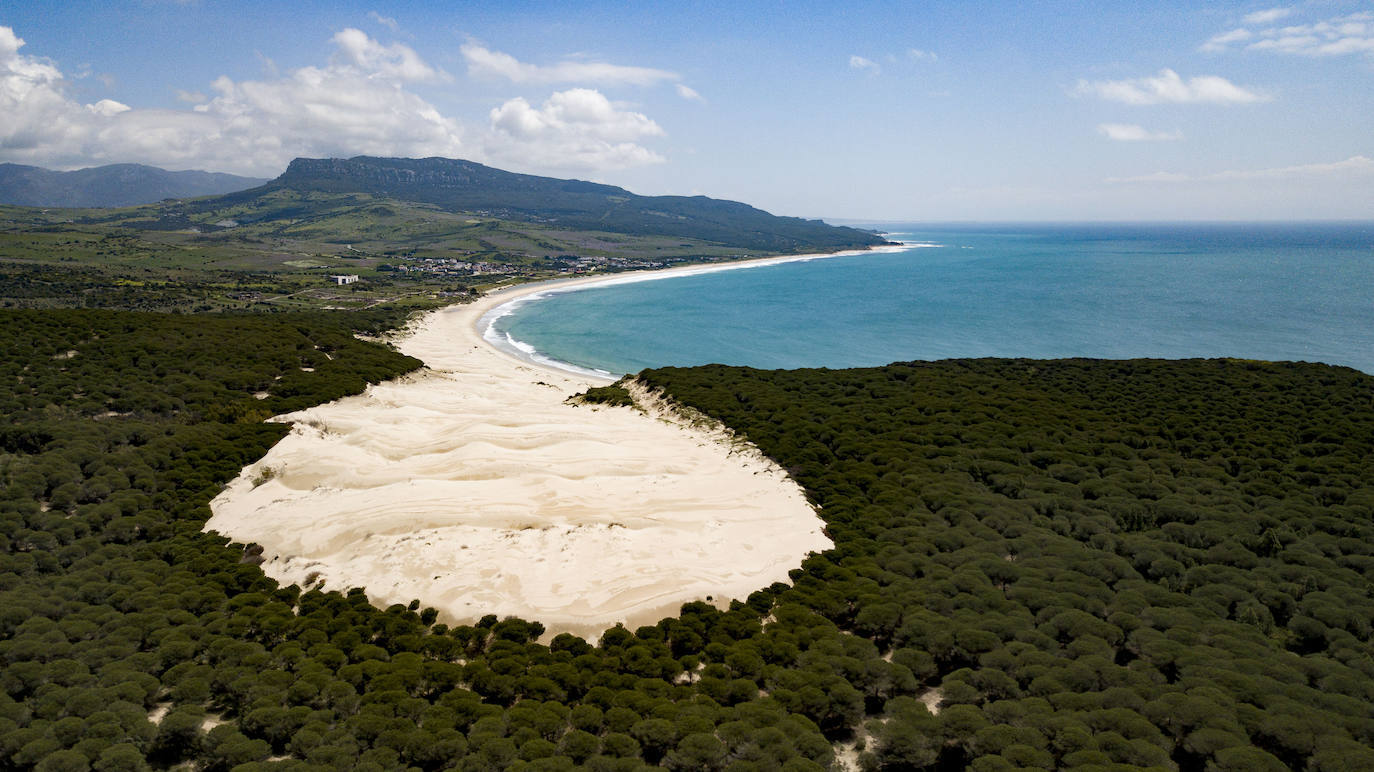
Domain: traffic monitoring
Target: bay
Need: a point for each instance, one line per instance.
(1293, 291)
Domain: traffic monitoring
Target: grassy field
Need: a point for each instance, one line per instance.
(281, 248)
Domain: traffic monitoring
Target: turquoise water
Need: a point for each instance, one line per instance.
(1275, 292)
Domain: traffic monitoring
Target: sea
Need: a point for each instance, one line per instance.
(1290, 291)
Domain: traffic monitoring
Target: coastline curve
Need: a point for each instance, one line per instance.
(513, 298)
(475, 487)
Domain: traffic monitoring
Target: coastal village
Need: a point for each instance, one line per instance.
(560, 264)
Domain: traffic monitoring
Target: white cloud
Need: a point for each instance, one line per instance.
(396, 61)
(1353, 34)
(330, 111)
(575, 129)
(1356, 166)
(865, 65)
(356, 104)
(486, 62)
(385, 21)
(1221, 41)
(1168, 87)
(108, 108)
(1268, 16)
(916, 53)
(689, 93)
(1338, 36)
(1128, 132)
(193, 97)
(33, 108)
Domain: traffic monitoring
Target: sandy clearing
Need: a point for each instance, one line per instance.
(473, 487)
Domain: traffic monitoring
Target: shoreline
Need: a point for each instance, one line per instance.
(474, 487)
(504, 301)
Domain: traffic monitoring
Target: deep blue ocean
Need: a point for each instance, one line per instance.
(1256, 291)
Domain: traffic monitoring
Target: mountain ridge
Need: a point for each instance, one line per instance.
(461, 185)
(112, 185)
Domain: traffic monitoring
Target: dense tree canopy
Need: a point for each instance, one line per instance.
(1147, 563)
(132, 640)
(1130, 565)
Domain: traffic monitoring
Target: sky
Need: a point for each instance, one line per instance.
(913, 111)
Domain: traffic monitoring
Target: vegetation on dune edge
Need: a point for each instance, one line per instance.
(1146, 563)
(614, 395)
(1093, 565)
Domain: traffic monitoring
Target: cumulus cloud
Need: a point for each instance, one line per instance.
(918, 54)
(1128, 132)
(33, 107)
(1268, 16)
(1337, 36)
(864, 65)
(356, 104)
(107, 108)
(483, 61)
(1168, 87)
(359, 102)
(575, 129)
(687, 92)
(1354, 167)
(396, 61)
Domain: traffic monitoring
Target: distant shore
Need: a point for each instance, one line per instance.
(474, 487)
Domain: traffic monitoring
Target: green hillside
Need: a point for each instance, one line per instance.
(464, 186)
(418, 234)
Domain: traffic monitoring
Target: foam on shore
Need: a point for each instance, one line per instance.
(503, 340)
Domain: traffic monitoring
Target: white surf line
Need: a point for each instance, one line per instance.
(504, 342)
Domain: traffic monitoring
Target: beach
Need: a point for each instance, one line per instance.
(476, 488)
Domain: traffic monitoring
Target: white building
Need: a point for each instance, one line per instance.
(349, 279)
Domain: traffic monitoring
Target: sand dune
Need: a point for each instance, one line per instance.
(475, 488)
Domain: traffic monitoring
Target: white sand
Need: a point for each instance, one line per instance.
(473, 487)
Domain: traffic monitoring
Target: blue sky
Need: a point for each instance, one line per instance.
(904, 110)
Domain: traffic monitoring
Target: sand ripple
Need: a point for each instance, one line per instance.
(473, 487)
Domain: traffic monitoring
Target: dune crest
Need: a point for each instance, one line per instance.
(475, 487)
